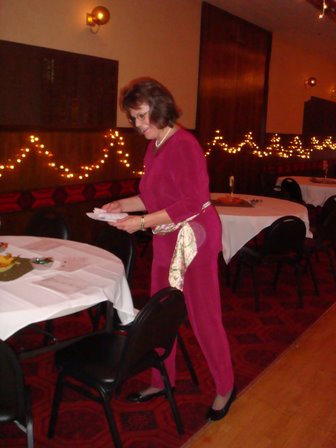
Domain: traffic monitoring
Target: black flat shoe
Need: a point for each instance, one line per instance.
(214, 415)
(137, 397)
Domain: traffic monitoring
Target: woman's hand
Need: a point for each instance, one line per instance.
(112, 207)
(130, 224)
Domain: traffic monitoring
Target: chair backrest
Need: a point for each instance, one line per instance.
(327, 208)
(327, 230)
(155, 327)
(292, 188)
(286, 234)
(118, 242)
(12, 390)
(49, 223)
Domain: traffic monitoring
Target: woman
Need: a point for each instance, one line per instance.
(174, 190)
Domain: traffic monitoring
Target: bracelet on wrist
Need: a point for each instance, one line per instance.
(142, 224)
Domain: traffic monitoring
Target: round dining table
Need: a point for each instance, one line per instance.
(315, 190)
(246, 216)
(81, 276)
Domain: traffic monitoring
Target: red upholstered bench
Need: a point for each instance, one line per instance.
(16, 208)
(53, 196)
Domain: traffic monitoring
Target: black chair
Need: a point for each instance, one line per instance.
(291, 189)
(324, 239)
(118, 242)
(98, 365)
(49, 223)
(283, 244)
(15, 402)
(144, 239)
(139, 304)
(328, 207)
(121, 244)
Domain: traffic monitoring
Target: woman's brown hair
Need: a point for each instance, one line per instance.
(163, 110)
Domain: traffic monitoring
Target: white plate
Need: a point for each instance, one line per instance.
(107, 217)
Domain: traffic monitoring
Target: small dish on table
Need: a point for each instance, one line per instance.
(3, 246)
(42, 262)
(7, 261)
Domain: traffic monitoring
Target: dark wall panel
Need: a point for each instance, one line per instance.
(319, 117)
(233, 76)
(46, 89)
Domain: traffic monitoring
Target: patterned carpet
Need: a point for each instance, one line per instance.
(256, 340)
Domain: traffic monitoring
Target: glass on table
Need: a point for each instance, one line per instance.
(325, 167)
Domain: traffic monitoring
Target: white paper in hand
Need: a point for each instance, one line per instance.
(101, 215)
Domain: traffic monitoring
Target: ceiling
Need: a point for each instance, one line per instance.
(290, 17)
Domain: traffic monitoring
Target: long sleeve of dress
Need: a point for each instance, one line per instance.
(176, 178)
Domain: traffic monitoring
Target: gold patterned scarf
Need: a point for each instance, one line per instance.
(185, 248)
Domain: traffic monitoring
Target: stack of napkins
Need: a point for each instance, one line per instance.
(101, 215)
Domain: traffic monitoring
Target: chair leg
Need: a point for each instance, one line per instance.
(297, 269)
(255, 288)
(236, 281)
(55, 405)
(331, 262)
(312, 274)
(144, 249)
(227, 274)
(110, 419)
(187, 359)
(277, 275)
(29, 420)
(171, 398)
(227, 271)
(237, 277)
(95, 317)
(49, 332)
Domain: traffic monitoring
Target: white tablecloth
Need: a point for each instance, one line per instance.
(314, 193)
(80, 277)
(241, 224)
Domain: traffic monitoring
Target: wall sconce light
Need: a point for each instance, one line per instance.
(99, 16)
(311, 82)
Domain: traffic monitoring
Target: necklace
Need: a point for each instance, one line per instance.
(159, 143)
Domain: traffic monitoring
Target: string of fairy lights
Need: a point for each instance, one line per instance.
(114, 144)
(274, 148)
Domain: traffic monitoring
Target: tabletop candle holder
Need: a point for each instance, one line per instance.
(231, 184)
(325, 167)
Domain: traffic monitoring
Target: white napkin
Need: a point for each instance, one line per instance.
(102, 215)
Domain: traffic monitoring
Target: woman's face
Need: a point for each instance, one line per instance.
(140, 119)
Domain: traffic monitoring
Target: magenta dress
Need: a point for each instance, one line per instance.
(176, 180)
